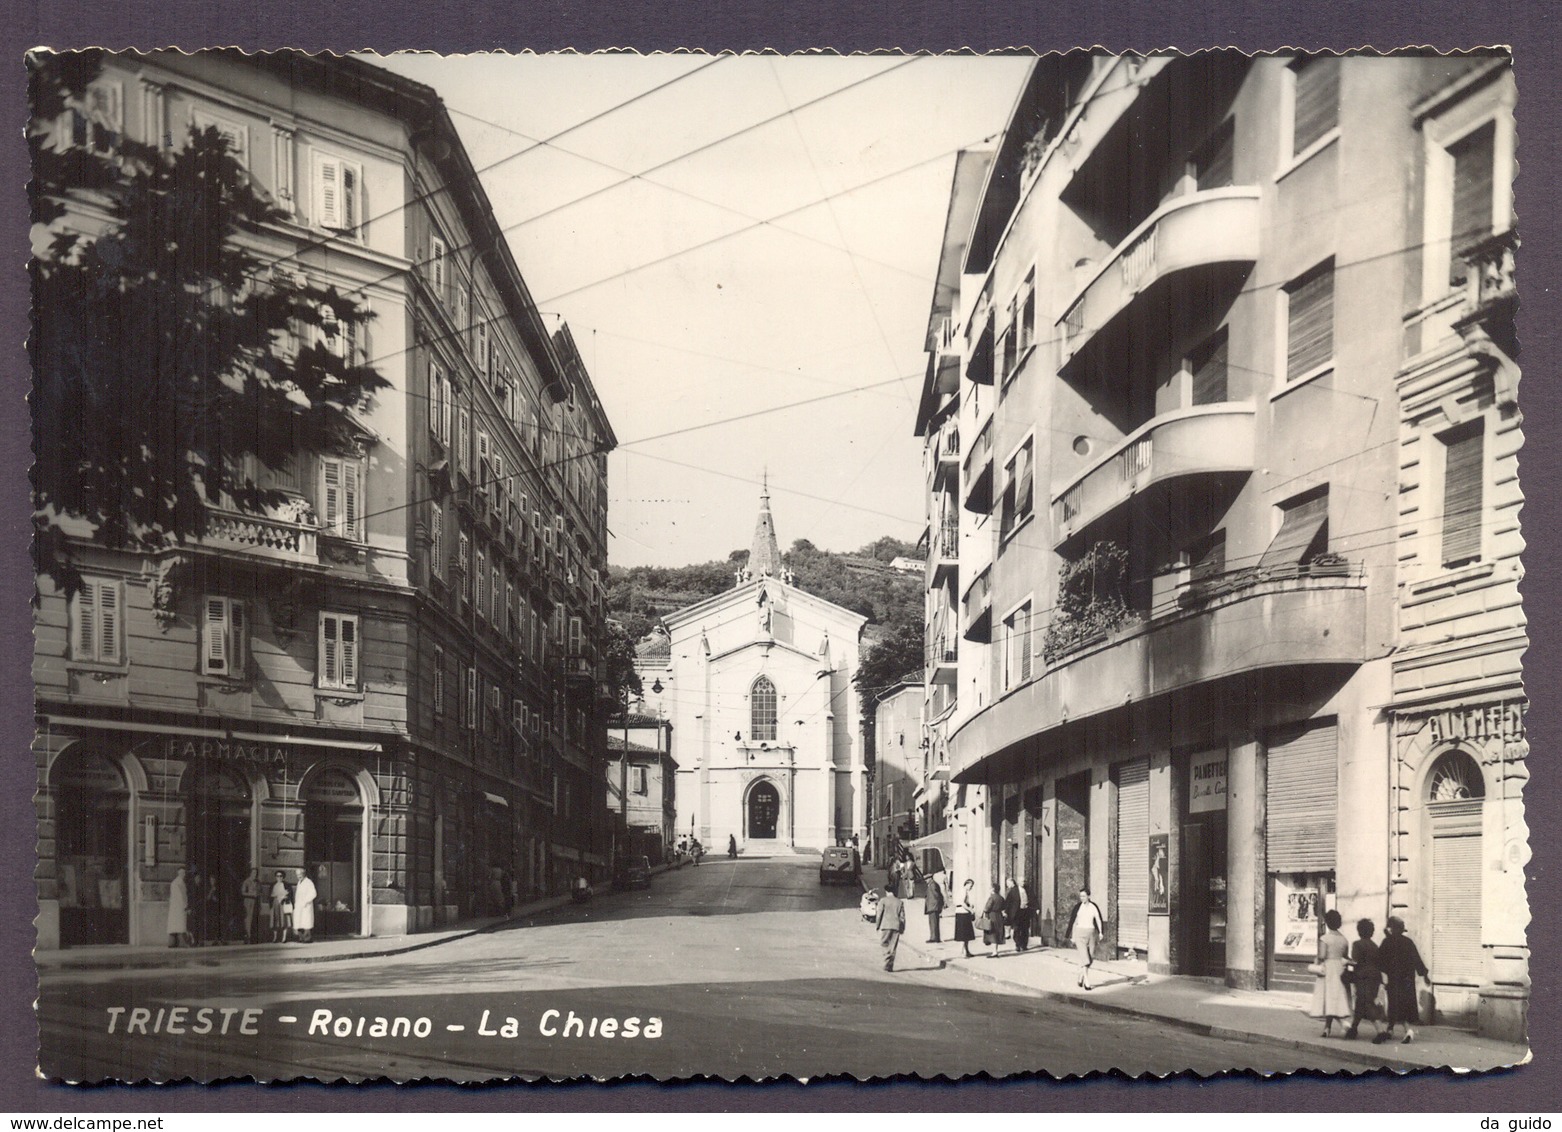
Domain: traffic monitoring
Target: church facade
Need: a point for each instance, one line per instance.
(757, 683)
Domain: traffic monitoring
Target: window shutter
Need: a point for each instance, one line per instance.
(1208, 364)
(439, 681)
(87, 622)
(1464, 471)
(494, 582)
(108, 622)
(349, 206)
(1023, 498)
(331, 503)
(436, 539)
(329, 651)
(351, 472)
(1317, 108)
(1310, 316)
(216, 654)
(1298, 531)
(1302, 787)
(1474, 157)
(350, 652)
(1022, 641)
(328, 192)
(238, 638)
(482, 583)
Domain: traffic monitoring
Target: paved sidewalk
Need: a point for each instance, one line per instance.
(1199, 1005)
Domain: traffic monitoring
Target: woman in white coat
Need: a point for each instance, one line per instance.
(178, 911)
(304, 906)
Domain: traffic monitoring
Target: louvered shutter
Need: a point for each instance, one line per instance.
(330, 652)
(436, 539)
(349, 652)
(1474, 157)
(495, 596)
(331, 503)
(1317, 107)
(350, 510)
(1310, 322)
(1463, 476)
(1024, 474)
(1133, 854)
(349, 208)
(1303, 797)
(328, 192)
(87, 622)
(216, 654)
(1297, 532)
(108, 622)
(1209, 371)
(238, 638)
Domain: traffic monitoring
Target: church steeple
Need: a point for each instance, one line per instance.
(764, 557)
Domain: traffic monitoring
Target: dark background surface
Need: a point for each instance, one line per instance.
(709, 25)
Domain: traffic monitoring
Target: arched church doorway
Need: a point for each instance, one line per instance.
(764, 809)
(92, 849)
(333, 850)
(1455, 798)
(217, 805)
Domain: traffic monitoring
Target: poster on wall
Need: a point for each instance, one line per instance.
(1298, 907)
(1160, 875)
(1207, 782)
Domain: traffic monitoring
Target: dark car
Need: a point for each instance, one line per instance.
(633, 872)
(840, 864)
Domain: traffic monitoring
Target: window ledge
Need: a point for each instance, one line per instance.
(1019, 364)
(342, 696)
(1307, 378)
(1018, 527)
(1307, 154)
(1449, 579)
(98, 669)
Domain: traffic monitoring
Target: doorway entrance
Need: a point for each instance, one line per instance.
(91, 846)
(218, 851)
(333, 853)
(764, 810)
(1071, 854)
(1204, 894)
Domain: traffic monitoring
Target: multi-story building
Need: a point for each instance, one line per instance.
(642, 784)
(390, 679)
(897, 769)
(1211, 617)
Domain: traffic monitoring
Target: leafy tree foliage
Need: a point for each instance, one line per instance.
(168, 355)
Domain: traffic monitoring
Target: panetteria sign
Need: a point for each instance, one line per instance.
(1207, 782)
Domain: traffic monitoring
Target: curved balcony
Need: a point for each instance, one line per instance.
(1217, 226)
(1255, 621)
(1206, 440)
(978, 491)
(977, 620)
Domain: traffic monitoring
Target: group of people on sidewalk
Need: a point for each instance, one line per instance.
(1353, 979)
(193, 916)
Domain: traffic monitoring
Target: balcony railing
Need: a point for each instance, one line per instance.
(289, 539)
(1210, 227)
(978, 608)
(1489, 271)
(942, 655)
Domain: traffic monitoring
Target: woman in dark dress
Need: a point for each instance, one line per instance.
(965, 917)
(1401, 963)
(993, 911)
(1366, 979)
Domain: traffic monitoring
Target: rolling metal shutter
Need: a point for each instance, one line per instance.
(1456, 891)
(1310, 322)
(1303, 798)
(1463, 474)
(1133, 854)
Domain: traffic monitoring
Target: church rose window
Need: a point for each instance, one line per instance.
(763, 710)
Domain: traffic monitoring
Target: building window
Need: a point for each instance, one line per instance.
(1213, 163)
(509, 609)
(98, 120)
(225, 628)
(464, 564)
(469, 717)
(339, 650)
(1205, 557)
(236, 134)
(1206, 366)
(641, 786)
(340, 485)
(463, 459)
(762, 710)
(436, 540)
(1464, 475)
(439, 404)
(574, 637)
(1309, 319)
(1018, 491)
(482, 583)
(495, 596)
(1315, 104)
(1303, 533)
(439, 680)
(1017, 647)
(98, 628)
(338, 194)
(436, 266)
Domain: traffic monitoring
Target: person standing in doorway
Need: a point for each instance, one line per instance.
(891, 922)
(1084, 928)
(1401, 963)
(250, 891)
(178, 911)
(304, 894)
(933, 905)
(1016, 910)
(965, 916)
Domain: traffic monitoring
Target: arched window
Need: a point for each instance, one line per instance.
(1456, 777)
(762, 710)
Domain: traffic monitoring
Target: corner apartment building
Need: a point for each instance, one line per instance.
(1213, 442)
(390, 680)
(896, 819)
(642, 784)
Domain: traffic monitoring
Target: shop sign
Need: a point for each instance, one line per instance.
(1298, 908)
(1071, 845)
(1489, 721)
(1160, 875)
(226, 750)
(1207, 783)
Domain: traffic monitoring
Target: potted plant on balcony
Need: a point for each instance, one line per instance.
(1091, 602)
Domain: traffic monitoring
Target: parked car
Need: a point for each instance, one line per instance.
(633, 872)
(869, 905)
(838, 864)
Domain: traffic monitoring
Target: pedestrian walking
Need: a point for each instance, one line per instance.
(891, 922)
(281, 909)
(1085, 924)
(933, 905)
(991, 921)
(250, 892)
(178, 911)
(1401, 963)
(1016, 910)
(965, 917)
(1331, 997)
(1366, 980)
(304, 907)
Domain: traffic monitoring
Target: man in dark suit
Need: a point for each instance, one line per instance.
(933, 905)
(891, 922)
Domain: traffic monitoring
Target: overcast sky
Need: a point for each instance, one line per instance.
(707, 279)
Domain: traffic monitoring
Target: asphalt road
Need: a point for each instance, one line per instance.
(734, 969)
